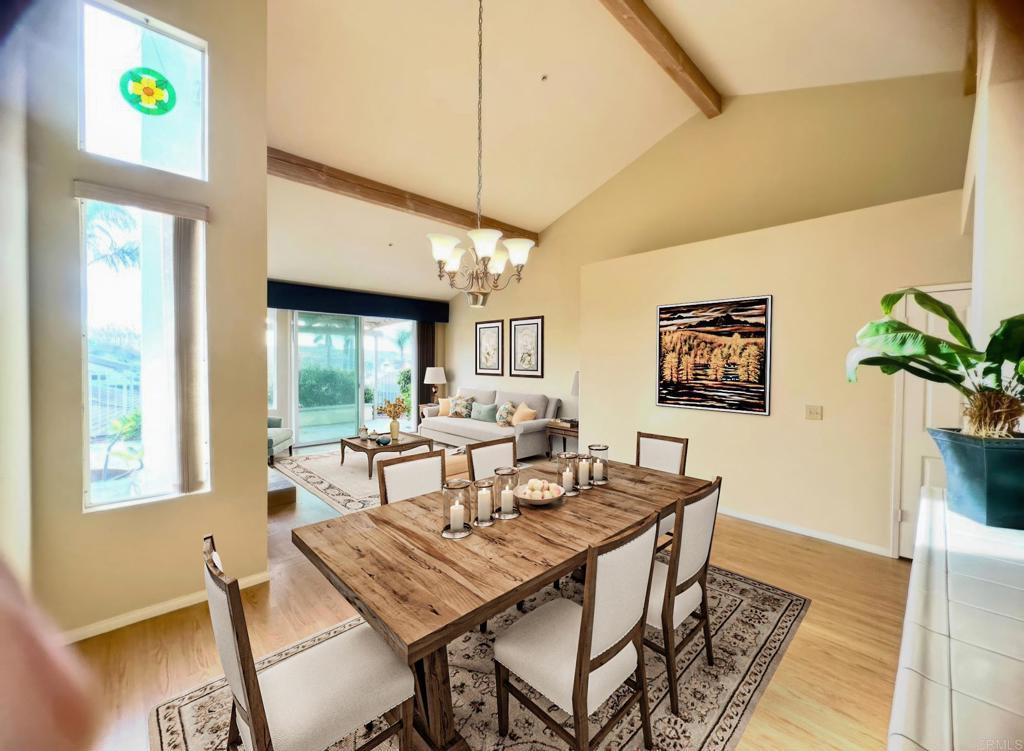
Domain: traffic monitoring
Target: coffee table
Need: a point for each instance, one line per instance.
(405, 442)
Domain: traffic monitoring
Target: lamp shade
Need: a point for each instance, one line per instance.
(454, 260)
(441, 246)
(498, 261)
(518, 250)
(434, 376)
(484, 241)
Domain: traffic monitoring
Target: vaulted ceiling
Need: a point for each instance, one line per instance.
(387, 90)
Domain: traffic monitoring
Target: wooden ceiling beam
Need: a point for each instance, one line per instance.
(659, 43)
(306, 171)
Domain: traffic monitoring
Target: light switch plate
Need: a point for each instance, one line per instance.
(813, 412)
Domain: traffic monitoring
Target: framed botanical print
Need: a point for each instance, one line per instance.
(526, 355)
(716, 354)
(490, 344)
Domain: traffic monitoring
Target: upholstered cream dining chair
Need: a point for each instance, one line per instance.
(410, 476)
(578, 656)
(313, 698)
(665, 453)
(486, 456)
(680, 587)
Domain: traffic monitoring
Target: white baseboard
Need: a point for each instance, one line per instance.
(151, 611)
(836, 539)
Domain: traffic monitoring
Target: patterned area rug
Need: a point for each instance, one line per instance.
(343, 487)
(752, 624)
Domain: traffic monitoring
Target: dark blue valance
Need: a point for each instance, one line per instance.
(309, 297)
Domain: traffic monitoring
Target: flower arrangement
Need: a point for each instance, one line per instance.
(393, 409)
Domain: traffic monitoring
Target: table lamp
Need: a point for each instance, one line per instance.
(433, 377)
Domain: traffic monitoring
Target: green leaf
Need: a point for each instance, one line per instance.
(1020, 368)
(889, 364)
(933, 305)
(895, 338)
(1007, 342)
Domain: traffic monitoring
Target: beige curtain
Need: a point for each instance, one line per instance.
(190, 354)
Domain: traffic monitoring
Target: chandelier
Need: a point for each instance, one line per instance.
(480, 270)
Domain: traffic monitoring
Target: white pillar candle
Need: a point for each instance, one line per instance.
(584, 472)
(483, 505)
(567, 480)
(457, 519)
(507, 501)
(598, 470)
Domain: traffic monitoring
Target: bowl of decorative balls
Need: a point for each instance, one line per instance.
(539, 493)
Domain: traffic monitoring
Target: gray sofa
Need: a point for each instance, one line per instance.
(531, 436)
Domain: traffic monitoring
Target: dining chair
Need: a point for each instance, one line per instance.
(486, 456)
(687, 571)
(666, 453)
(313, 698)
(410, 476)
(578, 656)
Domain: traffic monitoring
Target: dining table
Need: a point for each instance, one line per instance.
(420, 591)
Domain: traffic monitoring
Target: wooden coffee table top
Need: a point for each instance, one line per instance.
(405, 441)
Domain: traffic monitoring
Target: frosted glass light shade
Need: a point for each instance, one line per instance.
(484, 241)
(454, 260)
(498, 262)
(518, 250)
(441, 246)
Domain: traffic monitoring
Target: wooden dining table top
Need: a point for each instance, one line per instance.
(420, 591)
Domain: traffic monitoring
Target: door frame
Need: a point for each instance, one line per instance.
(899, 394)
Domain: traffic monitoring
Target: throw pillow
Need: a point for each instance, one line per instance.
(504, 414)
(484, 412)
(462, 406)
(444, 407)
(523, 414)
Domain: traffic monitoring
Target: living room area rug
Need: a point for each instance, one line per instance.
(752, 625)
(345, 487)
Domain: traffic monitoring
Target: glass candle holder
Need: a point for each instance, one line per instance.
(484, 493)
(583, 472)
(506, 504)
(566, 472)
(456, 509)
(598, 463)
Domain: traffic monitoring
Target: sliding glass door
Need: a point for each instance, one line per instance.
(345, 368)
(389, 362)
(327, 349)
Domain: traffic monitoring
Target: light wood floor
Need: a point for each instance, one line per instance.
(832, 690)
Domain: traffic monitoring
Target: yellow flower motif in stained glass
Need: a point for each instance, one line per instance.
(148, 91)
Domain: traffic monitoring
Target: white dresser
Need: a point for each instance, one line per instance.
(960, 682)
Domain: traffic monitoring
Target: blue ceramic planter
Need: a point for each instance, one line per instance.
(985, 477)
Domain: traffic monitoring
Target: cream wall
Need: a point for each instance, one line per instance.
(829, 478)
(767, 160)
(15, 485)
(98, 569)
(996, 175)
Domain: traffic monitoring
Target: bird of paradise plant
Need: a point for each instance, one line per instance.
(990, 379)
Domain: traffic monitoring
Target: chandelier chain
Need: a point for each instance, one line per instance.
(479, 109)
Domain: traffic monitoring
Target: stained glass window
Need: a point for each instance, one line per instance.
(144, 91)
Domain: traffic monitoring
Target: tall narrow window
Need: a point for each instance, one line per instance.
(143, 90)
(146, 351)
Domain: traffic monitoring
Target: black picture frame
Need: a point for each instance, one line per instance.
(484, 331)
(731, 336)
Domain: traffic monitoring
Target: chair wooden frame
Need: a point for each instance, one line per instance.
(470, 447)
(383, 465)
(256, 718)
(670, 650)
(586, 664)
(669, 438)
